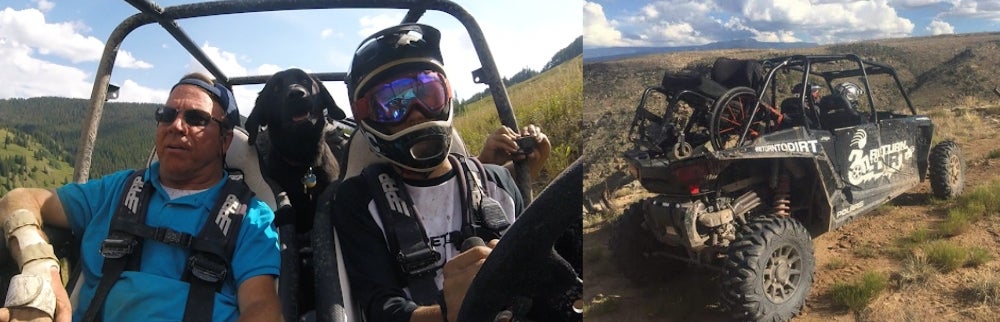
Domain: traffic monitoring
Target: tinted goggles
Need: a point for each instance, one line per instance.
(391, 101)
(199, 118)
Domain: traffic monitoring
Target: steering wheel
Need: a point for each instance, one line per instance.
(524, 278)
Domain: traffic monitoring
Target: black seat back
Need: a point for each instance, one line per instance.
(837, 112)
(738, 72)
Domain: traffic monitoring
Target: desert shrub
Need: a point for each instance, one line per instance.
(977, 257)
(985, 288)
(866, 251)
(916, 271)
(856, 295)
(835, 264)
(946, 256)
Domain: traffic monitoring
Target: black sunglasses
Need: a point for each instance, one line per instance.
(167, 114)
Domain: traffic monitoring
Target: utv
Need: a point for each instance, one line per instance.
(507, 285)
(742, 184)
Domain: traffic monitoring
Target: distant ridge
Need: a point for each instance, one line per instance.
(591, 55)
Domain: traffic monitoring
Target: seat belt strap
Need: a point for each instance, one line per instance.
(484, 216)
(209, 265)
(405, 234)
(120, 249)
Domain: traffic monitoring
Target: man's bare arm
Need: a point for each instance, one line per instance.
(258, 300)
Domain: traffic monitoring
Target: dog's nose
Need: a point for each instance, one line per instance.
(296, 93)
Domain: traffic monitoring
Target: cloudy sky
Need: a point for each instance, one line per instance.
(52, 47)
(609, 23)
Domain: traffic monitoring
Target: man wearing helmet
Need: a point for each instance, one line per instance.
(402, 99)
(851, 92)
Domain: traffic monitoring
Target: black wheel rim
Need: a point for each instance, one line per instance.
(782, 274)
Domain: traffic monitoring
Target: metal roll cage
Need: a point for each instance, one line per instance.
(167, 17)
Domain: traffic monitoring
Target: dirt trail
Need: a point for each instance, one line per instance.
(863, 245)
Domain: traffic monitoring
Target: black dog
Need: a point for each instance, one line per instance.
(295, 152)
(299, 156)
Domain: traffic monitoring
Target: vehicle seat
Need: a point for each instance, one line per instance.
(837, 112)
(793, 110)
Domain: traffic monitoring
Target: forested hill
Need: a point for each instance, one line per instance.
(125, 136)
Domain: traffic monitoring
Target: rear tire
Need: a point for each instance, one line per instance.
(632, 248)
(947, 170)
(769, 270)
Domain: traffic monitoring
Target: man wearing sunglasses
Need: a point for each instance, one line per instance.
(180, 197)
(402, 222)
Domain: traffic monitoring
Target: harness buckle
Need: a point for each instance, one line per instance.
(419, 262)
(172, 237)
(115, 248)
(207, 268)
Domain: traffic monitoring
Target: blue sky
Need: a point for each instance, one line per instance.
(610, 23)
(52, 47)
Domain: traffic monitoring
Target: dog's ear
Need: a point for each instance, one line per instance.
(332, 110)
(258, 116)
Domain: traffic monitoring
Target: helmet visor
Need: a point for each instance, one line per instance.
(391, 101)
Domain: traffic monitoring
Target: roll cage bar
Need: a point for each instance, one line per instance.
(803, 63)
(167, 17)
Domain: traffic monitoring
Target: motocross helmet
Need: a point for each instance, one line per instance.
(850, 91)
(797, 89)
(390, 76)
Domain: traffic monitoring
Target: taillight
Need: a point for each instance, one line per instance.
(691, 176)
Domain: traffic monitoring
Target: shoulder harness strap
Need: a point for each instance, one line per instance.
(120, 245)
(212, 249)
(482, 215)
(405, 234)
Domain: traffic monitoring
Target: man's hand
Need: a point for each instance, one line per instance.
(63, 312)
(501, 147)
(459, 273)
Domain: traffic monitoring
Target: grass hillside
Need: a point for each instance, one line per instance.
(124, 138)
(551, 100)
(25, 162)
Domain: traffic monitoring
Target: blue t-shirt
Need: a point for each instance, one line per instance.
(155, 292)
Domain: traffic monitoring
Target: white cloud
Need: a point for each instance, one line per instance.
(794, 11)
(917, 3)
(226, 61)
(268, 69)
(598, 31)
(28, 27)
(827, 21)
(674, 34)
(131, 91)
(939, 27)
(126, 60)
(26, 76)
(326, 33)
(230, 65)
(44, 5)
(976, 9)
(372, 24)
(776, 36)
